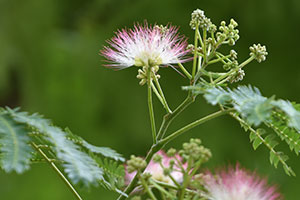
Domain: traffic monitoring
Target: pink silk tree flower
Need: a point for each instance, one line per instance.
(156, 170)
(144, 46)
(238, 184)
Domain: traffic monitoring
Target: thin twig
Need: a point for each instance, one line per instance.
(70, 186)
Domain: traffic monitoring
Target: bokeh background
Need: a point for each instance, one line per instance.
(49, 63)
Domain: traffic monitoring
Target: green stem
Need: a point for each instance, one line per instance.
(192, 125)
(185, 71)
(170, 176)
(162, 190)
(236, 69)
(168, 118)
(218, 59)
(200, 38)
(165, 104)
(204, 46)
(191, 173)
(157, 93)
(246, 62)
(172, 187)
(154, 148)
(185, 179)
(148, 190)
(195, 52)
(150, 105)
(219, 55)
(212, 74)
(70, 186)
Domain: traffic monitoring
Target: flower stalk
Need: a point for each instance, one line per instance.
(195, 52)
(150, 105)
(164, 101)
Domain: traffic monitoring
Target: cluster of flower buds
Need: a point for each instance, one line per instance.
(237, 76)
(200, 20)
(228, 34)
(143, 74)
(233, 54)
(191, 48)
(232, 63)
(135, 164)
(259, 51)
(194, 151)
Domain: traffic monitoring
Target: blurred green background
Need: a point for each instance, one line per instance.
(49, 63)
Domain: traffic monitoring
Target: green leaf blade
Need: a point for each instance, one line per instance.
(16, 152)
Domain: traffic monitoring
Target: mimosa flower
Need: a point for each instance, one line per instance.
(238, 184)
(144, 46)
(157, 171)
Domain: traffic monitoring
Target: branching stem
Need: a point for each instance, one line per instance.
(156, 147)
(193, 124)
(146, 187)
(185, 71)
(234, 70)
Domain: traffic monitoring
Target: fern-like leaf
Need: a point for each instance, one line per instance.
(279, 124)
(217, 96)
(291, 112)
(114, 172)
(246, 100)
(249, 102)
(78, 165)
(104, 151)
(253, 107)
(256, 137)
(256, 109)
(14, 148)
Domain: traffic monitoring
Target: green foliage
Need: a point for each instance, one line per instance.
(114, 174)
(217, 96)
(19, 129)
(246, 100)
(14, 148)
(256, 137)
(252, 106)
(104, 151)
(292, 114)
(279, 124)
(255, 109)
(78, 165)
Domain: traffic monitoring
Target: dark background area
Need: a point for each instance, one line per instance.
(49, 63)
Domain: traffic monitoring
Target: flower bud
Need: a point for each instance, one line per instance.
(157, 158)
(259, 51)
(135, 164)
(171, 152)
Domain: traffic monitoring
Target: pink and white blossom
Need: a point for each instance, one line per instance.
(156, 170)
(143, 45)
(238, 184)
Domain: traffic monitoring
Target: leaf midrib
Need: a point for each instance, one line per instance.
(15, 140)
